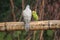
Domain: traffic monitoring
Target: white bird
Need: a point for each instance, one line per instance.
(27, 13)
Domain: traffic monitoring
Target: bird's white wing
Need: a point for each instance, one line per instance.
(27, 14)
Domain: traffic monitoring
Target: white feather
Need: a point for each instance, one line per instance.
(27, 13)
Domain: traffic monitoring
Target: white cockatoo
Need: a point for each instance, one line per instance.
(27, 13)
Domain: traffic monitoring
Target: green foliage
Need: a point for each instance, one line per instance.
(50, 33)
(17, 2)
(2, 35)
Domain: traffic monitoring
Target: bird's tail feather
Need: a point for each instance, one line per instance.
(27, 26)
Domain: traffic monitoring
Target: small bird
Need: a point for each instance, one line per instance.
(35, 16)
(27, 13)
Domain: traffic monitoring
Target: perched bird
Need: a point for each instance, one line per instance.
(27, 13)
(35, 16)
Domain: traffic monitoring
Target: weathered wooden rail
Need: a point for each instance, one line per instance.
(35, 25)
